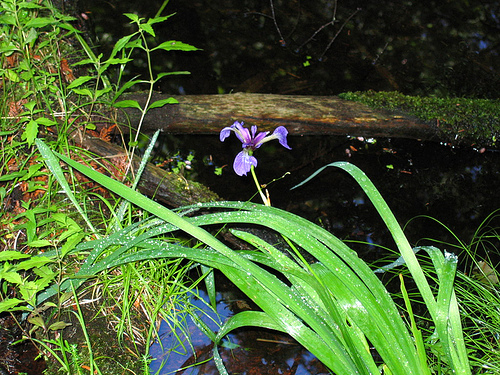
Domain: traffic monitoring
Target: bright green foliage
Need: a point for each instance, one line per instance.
(31, 43)
(29, 274)
(12, 272)
(460, 120)
(477, 290)
(332, 307)
(38, 95)
(138, 40)
(53, 85)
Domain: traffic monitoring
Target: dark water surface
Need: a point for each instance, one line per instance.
(457, 186)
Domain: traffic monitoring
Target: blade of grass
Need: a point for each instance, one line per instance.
(417, 334)
(144, 161)
(53, 165)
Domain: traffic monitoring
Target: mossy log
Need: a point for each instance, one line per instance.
(460, 121)
(167, 187)
(302, 115)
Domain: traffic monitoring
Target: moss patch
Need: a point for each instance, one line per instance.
(460, 120)
(112, 357)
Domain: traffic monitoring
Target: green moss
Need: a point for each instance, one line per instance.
(109, 355)
(460, 120)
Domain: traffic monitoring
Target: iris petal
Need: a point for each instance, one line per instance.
(224, 133)
(259, 139)
(243, 163)
(254, 130)
(242, 133)
(280, 133)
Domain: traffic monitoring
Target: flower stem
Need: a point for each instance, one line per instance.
(266, 201)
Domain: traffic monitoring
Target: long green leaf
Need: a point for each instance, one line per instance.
(451, 338)
(55, 168)
(256, 277)
(328, 307)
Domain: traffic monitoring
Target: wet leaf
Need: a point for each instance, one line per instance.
(161, 103)
(175, 45)
(58, 325)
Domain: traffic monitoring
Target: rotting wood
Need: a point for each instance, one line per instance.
(302, 115)
(168, 188)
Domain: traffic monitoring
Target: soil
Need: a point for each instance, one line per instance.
(17, 358)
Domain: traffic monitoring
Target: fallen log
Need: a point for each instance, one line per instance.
(166, 187)
(302, 115)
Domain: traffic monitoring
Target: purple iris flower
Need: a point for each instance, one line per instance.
(250, 142)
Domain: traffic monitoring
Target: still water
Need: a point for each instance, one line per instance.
(252, 351)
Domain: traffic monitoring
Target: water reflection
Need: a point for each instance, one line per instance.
(245, 352)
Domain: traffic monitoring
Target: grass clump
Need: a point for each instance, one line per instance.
(477, 291)
(333, 307)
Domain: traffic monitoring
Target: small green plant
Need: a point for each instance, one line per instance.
(13, 274)
(29, 274)
(477, 290)
(32, 39)
(67, 354)
(52, 88)
(126, 46)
